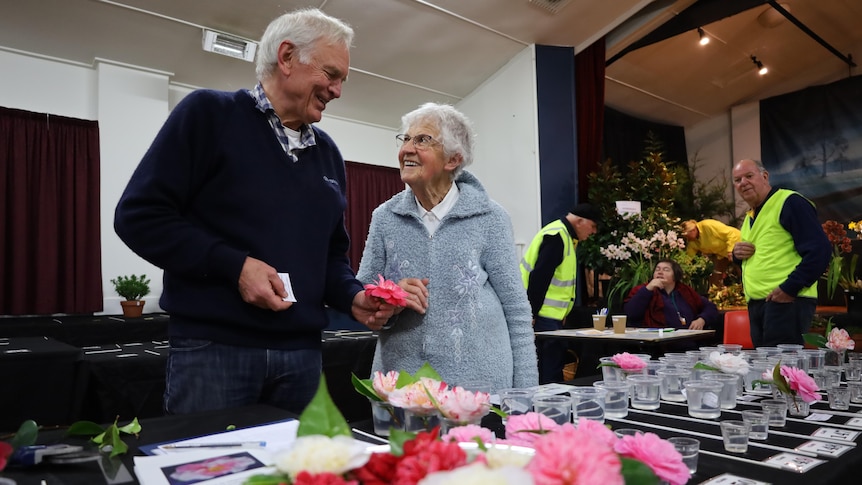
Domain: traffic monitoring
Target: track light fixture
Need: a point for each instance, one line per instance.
(761, 69)
(704, 39)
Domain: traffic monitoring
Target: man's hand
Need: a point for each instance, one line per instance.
(779, 296)
(260, 286)
(697, 324)
(417, 294)
(370, 311)
(743, 250)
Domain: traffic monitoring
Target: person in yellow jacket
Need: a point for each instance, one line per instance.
(715, 240)
(783, 253)
(549, 271)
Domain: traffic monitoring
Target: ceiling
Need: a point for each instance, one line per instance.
(410, 51)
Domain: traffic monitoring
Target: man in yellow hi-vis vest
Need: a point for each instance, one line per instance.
(549, 271)
(783, 252)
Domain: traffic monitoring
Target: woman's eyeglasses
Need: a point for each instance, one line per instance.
(421, 142)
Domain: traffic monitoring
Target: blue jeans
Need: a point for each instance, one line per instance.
(204, 375)
(780, 323)
(551, 351)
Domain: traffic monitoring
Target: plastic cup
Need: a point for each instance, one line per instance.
(689, 448)
(515, 401)
(627, 432)
(777, 411)
(730, 384)
(673, 383)
(853, 370)
(839, 397)
(599, 322)
(729, 348)
(645, 391)
(735, 436)
(588, 402)
(476, 386)
(619, 322)
(703, 399)
(556, 407)
(855, 391)
(616, 398)
(812, 360)
(758, 422)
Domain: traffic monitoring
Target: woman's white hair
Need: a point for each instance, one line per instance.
(304, 28)
(456, 131)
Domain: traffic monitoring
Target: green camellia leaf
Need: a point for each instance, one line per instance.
(397, 438)
(637, 473)
(499, 412)
(814, 339)
(267, 480)
(85, 428)
(364, 387)
(321, 416)
(404, 379)
(112, 439)
(702, 366)
(427, 371)
(134, 427)
(26, 435)
(779, 380)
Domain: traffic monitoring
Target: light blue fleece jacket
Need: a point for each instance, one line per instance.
(478, 323)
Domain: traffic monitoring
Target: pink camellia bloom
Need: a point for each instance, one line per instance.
(629, 362)
(800, 382)
(839, 340)
(467, 434)
(598, 431)
(415, 396)
(384, 384)
(525, 429)
(464, 406)
(387, 291)
(656, 453)
(574, 457)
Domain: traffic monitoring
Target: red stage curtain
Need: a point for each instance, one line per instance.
(50, 249)
(589, 108)
(368, 186)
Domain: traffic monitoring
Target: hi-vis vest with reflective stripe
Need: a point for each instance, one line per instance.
(775, 256)
(560, 297)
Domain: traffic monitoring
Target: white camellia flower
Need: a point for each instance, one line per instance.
(318, 454)
(479, 474)
(729, 363)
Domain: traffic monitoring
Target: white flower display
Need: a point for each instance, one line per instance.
(318, 454)
(729, 363)
(478, 474)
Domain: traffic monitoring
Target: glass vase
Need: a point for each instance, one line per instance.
(385, 416)
(447, 424)
(416, 422)
(797, 407)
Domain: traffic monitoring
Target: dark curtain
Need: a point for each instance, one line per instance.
(625, 137)
(368, 186)
(50, 251)
(589, 109)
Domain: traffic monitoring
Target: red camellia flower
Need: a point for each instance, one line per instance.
(380, 469)
(387, 291)
(305, 478)
(5, 453)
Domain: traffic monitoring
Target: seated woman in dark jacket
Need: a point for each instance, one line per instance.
(667, 302)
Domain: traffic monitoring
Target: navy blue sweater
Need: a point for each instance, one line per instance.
(215, 187)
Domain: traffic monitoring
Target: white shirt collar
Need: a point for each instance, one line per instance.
(431, 219)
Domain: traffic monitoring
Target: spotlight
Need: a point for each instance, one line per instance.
(761, 69)
(704, 39)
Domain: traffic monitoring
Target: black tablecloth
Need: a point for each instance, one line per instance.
(37, 376)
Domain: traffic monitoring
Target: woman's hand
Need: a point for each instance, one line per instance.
(656, 283)
(417, 294)
(697, 324)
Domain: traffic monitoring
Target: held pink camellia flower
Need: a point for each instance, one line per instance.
(656, 453)
(387, 291)
(800, 382)
(574, 457)
(384, 383)
(525, 429)
(464, 406)
(628, 362)
(839, 340)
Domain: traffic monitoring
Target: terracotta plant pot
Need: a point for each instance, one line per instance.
(132, 308)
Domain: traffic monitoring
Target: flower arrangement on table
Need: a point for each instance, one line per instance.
(793, 383)
(535, 450)
(840, 271)
(730, 296)
(857, 227)
(627, 364)
(726, 363)
(836, 339)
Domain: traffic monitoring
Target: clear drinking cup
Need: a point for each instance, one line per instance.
(735, 435)
(645, 391)
(839, 397)
(758, 422)
(777, 411)
(385, 416)
(853, 370)
(556, 407)
(855, 391)
(616, 399)
(515, 401)
(689, 448)
(673, 383)
(589, 403)
(730, 384)
(703, 401)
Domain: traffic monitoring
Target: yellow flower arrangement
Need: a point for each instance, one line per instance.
(857, 227)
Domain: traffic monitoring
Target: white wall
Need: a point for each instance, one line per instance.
(503, 110)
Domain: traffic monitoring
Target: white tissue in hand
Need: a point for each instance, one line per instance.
(285, 278)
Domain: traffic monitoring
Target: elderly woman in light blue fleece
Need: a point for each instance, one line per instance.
(451, 248)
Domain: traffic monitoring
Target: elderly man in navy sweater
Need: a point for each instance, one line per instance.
(237, 190)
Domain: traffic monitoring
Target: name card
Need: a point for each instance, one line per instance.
(832, 450)
(835, 434)
(794, 463)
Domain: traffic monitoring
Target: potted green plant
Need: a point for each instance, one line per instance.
(132, 288)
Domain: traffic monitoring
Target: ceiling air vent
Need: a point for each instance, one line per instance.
(228, 45)
(552, 6)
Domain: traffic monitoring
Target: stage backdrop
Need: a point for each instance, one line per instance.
(812, 143)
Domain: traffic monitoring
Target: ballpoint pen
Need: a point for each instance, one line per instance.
(238, 444)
